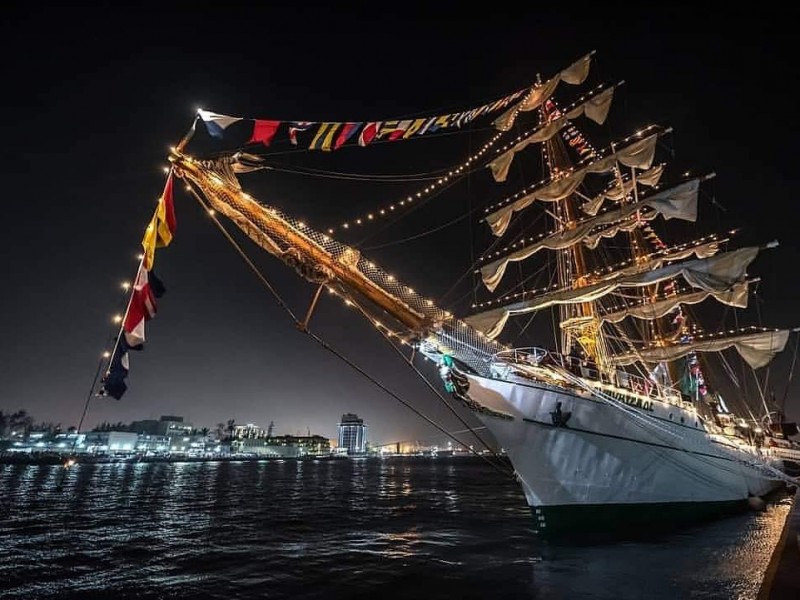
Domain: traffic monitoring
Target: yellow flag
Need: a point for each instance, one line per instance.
(163, 231)
(149, 242)
(165, 216)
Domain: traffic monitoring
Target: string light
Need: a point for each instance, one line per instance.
(485, 148)
(606, 269)
(429, 189)
(598, 155)
(523, 241)
(378, 325)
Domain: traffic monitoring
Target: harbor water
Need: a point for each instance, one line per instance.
(412, 527)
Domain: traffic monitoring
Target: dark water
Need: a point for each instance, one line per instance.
(379, 529)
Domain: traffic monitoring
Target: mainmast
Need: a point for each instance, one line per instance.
(640, 248)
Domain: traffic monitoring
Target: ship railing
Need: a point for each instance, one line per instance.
(642, 386)
(646, 386)
(543, 357)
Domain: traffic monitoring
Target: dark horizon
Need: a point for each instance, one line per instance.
(93, 105)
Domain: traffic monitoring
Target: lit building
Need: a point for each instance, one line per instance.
(168, 425)
(353, 434)
(248, 431)
(153, 445)
(104, 442)
(284, 446)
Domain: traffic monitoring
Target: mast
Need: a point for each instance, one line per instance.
(639, 248)
(578, 322)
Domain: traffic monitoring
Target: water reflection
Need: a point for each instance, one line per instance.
(428, 528)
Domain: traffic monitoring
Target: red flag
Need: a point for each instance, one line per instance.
(263, 131)
(368, 133)
(141, 308)
(346, 133)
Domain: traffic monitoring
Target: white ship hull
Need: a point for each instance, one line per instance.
(609, 464)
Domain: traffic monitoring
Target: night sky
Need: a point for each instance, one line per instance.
(93, 97)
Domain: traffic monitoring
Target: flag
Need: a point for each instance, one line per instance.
(263, 131)
(413, 128)
(461, 118)
(165, 216)
(149, 242)
(368, 133)
(688, 382)
(142, 307)
(216, 124)
(114, 380)
(393, 130)
(347, 132)
(142, 299)
(298, 126)
(156, 285)
(134, 342)
(161, 228)
(323, 140)
(434, 123)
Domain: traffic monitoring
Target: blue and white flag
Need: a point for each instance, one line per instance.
(216, 123)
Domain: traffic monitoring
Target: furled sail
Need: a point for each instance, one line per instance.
(595, 108)
(657, 259)
(736, 296)
(638, 154)
(717, 273)
(620, 190)
(757, 349)
(575, 74)
(679, 202)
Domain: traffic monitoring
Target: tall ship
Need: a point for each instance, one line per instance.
(612, 421)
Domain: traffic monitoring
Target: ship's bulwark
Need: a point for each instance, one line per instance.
(596, 467)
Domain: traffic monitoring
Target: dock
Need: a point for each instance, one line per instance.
(782, 577)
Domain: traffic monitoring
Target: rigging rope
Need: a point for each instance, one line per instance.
(791, 372)
(418, 235)
(358, 176)
(399, 215)
(424, 379)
